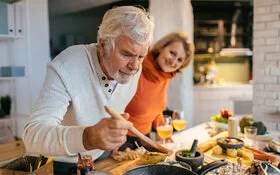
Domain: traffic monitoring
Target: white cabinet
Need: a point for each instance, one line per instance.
(13, 53)
(11, 20)
(208, 101)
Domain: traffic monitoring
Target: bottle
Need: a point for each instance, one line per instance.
(233, 126)
(85, 165)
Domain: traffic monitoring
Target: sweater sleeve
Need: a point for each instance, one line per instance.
(44, 134)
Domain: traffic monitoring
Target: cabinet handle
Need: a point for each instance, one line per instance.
(11, 30)
(19, 30)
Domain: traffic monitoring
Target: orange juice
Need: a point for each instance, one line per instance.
(179, 124)
(164, 131)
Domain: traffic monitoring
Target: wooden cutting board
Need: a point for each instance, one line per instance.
(245, 161)
(116, 167)
(11, 150)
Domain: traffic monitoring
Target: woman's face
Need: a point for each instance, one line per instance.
(171, 57)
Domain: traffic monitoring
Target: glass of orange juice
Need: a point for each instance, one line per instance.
(178, 121)
(164, 130)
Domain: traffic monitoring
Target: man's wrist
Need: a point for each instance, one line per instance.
(86, 143)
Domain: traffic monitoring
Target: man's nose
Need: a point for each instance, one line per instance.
(134, 64)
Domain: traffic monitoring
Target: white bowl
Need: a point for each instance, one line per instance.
(219, 126)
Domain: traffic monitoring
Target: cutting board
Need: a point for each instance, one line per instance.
(116, 167)
(245, 161)
(11, 150)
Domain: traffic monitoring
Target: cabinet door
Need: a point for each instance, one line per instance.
(7, 21)
(19, 8)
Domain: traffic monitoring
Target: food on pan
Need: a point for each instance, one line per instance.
(129, 154)
(232, 152)
(153, 157)
(217, 150)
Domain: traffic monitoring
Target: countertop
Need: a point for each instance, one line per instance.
(225, 85)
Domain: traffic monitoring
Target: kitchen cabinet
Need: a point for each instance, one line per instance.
(211, 36)
(209, 100)
(11, 20)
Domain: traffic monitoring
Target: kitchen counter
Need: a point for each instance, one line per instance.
(209, 100)
(224, 85)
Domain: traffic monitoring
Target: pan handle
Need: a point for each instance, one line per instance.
(211, 166)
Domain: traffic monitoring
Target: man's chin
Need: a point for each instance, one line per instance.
(123, 80)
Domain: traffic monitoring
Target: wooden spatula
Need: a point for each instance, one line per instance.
(148, 142)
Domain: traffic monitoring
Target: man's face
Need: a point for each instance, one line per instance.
(122, 62)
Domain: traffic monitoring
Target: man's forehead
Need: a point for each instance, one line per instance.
(126, 44)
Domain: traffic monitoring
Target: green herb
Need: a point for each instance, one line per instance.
(186, 153)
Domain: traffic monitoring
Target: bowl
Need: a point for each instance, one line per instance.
(230, 142)
(153, 157)
(194, 162)
(219, 126)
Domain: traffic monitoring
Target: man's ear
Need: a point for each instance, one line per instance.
(102, 43)
(101, 46)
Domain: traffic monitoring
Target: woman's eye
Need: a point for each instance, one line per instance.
(180, 60)
(172, 53)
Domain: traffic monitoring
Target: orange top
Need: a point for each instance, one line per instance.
(149, 102)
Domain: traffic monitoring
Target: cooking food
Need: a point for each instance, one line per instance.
(129, 154)
(230, 142)
(153, 157)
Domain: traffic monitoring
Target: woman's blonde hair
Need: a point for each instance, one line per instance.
(175, 37)
(131, 21)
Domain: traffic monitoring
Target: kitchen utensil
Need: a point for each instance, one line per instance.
(172, 169)
(193, 148)
(148, 142)
(195, 162)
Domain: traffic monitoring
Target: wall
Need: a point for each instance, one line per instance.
(32, 52)
(266, 62)
(171, 15)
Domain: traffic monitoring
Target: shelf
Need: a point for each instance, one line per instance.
(10, 78)
(13, 117)
(206, 58)
(7, 37)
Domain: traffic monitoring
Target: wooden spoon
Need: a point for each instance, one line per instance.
(148, 142)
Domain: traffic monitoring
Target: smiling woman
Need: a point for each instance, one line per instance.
(168, 56)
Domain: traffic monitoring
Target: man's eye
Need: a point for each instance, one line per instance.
(141, 58)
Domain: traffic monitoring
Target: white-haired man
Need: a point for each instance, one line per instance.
(69, 116)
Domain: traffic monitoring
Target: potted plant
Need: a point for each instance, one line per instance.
(6, 104)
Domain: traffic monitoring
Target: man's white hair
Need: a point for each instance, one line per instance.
(131, 21)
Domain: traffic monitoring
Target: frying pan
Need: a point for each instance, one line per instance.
(170, 169)
(148, 143)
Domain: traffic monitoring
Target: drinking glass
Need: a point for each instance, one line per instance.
(178, 121)
(250, 133)
(165, 130)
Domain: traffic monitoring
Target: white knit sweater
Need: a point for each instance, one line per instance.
(72, 98)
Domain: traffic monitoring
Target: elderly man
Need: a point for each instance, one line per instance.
(69, 116)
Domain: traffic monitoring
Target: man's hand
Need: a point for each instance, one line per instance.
(108, 134)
